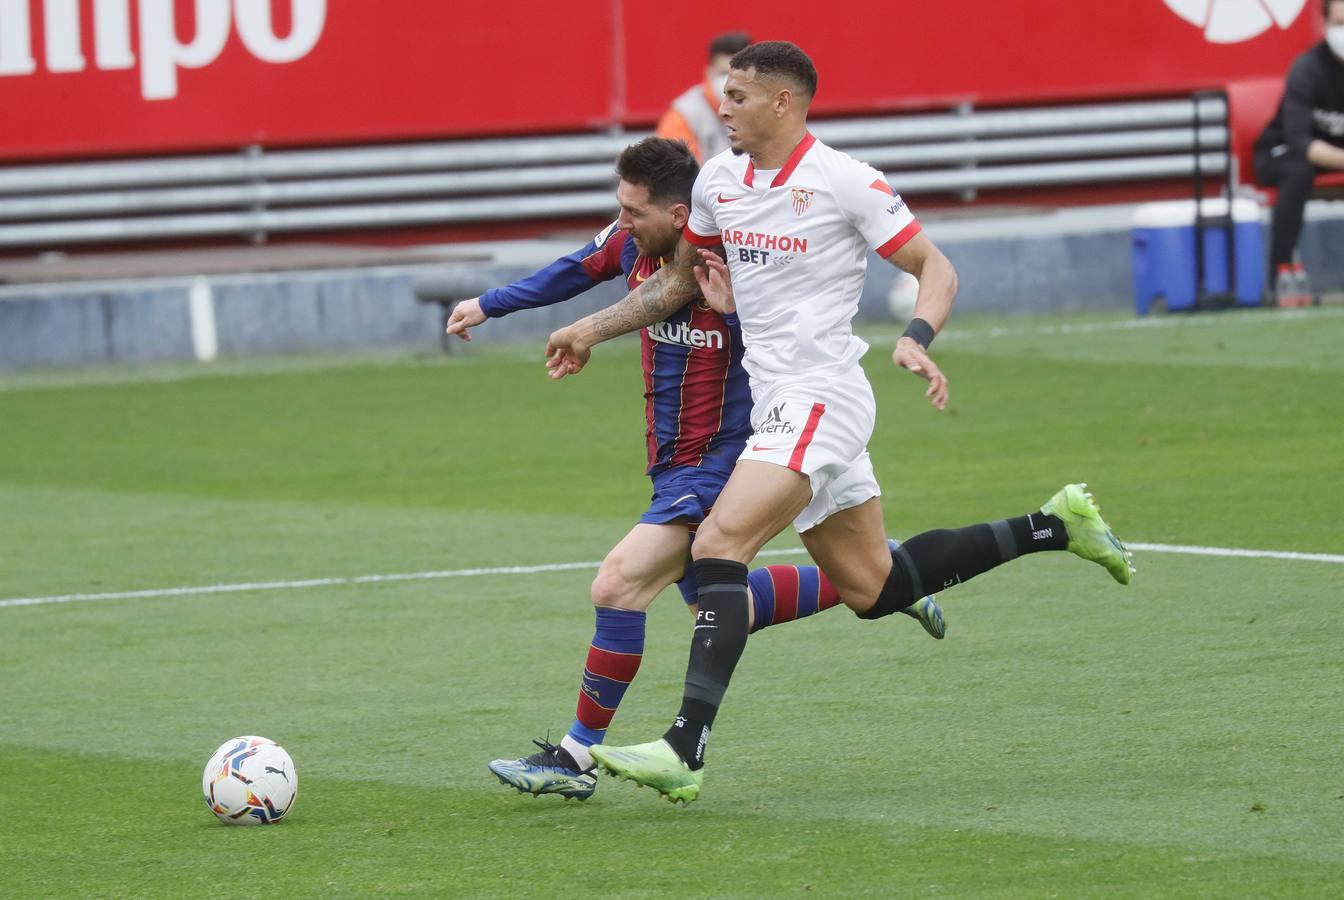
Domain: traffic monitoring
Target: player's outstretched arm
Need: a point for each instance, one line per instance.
(937, 291)
(665, 292)
(599, 260)
(465, 315)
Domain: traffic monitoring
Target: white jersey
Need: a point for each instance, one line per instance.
(797, 242)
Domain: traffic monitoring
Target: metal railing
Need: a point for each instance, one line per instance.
(257, 192)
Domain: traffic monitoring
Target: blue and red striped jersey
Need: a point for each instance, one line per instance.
(697, 401)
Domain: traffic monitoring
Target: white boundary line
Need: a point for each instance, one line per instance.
(558, 567)
(1245, 554)
(1147, 323)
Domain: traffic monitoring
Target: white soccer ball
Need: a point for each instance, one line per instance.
(901, 296)
(250, 780)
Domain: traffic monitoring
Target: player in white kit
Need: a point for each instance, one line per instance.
(796, 221)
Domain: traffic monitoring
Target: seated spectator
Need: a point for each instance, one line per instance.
(1305, 138)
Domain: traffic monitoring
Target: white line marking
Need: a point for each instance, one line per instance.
(1240, 317)
(560, 567)
(324, 582)
(1245, 554)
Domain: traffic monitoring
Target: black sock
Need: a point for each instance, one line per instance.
(949, 556)
(688, 737)
(936, 560)
(1038, 531)
(717, 644)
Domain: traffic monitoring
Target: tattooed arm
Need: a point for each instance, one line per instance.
(665, 292)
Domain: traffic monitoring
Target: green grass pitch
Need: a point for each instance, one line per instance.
(1070, 738)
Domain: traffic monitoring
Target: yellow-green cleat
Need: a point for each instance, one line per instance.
(1089, 535)
(654, 765)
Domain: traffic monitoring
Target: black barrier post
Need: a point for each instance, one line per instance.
(448, 290)
(1203, 298)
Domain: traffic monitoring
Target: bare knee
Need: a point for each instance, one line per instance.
(611, 588)
(721, 539)
(860, 597)
(709, 541)
(858, 573)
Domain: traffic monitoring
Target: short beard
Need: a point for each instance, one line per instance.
(663, 253)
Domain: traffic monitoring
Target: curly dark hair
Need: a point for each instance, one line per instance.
(780, 59)
(666, 167)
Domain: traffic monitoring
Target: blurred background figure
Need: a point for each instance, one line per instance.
(1304, 139)
(694, 116)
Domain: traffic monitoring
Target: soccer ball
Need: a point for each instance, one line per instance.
(250, 781)
(901, 296)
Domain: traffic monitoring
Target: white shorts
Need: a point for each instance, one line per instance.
(821, 429)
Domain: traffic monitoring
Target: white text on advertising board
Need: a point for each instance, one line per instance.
(161, 53)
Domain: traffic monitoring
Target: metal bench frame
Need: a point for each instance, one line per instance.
(258, 192)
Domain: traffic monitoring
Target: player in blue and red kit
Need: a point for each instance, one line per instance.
(698, 406)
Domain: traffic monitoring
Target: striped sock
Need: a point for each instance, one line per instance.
(613, 660)
(785, 593)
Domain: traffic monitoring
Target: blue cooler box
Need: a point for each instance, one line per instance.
(1164, 253)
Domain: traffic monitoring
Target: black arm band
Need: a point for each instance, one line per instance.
(921, 331)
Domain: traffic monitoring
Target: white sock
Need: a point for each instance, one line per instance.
(578, 751)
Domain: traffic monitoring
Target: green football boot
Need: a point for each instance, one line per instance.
(1089, 535)
(654, 764)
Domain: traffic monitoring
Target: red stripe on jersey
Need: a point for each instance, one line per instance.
(880, 185)
(785, 579)
(641, 270)
(749, 179)
(701, 240)
(900, 240)
(794, 159)
(681, 402)
(611, 664)
(796, 460)
(702, 388)
(592, 715)
(605, 262)
(647, 350)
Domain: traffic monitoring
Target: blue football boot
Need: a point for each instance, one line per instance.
(549, 771)
(925, 610)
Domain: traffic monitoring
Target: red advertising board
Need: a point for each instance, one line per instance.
(905, 54)
(85, 78)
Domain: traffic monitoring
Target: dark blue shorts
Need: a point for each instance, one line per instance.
(688, 493)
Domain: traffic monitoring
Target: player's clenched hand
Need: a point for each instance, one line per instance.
(714, 282)
(910, 355)
(465, 315)
(565, 353)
